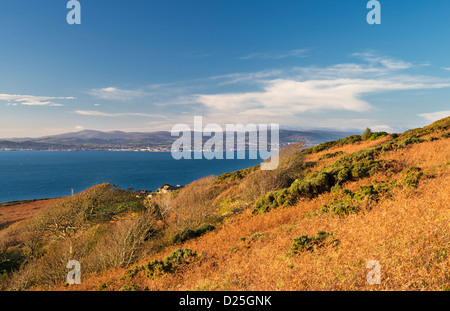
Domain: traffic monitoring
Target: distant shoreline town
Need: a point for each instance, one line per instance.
(90, 140)
(167, 148)
(86, 148)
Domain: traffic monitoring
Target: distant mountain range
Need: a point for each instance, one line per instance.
(152, 141)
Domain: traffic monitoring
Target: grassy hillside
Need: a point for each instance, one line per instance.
(312, 224)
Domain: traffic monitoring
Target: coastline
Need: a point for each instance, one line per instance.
(37, 175)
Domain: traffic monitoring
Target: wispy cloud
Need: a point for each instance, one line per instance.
(247, 77)
(114, 115)
(30, 100)
(307, 95)
(276, 55)
(446, 68)
(113, 93)
(434, 116)
(289, 96)
(387, 62)
(286, 94)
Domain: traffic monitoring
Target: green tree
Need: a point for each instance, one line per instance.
(367, 134)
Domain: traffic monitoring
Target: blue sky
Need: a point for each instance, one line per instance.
(147, 65)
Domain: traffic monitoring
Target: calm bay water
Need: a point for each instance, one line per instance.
(26, 175)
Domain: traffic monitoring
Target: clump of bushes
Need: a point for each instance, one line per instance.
(291, 167)
(330, 155)
(340, 207)
(440, 125)
(353, 166)
(411, 176)
(237, 175)
(377, 135)
(369, 135)
(131, 273)
(305, 243)
(352, 201)
(171, 263)
(408, 137)
(188, 234)
(79, 227)
(412, 140)
(93, 206)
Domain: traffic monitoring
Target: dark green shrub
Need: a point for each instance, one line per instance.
(377, 135)
(446, 135)
(394, 135)
(366, 192)
(183, 236)
(204, 229)
(305, 243)
(412, 140)
(352, 203)
(188, 234)
(104, 286)
(237, 175)
(343, 175)
(133, 271)
(353, 166)
(340, 208)
(391, 145)
(365, 168)
(367, 134)
(411, 176)
(179, 257)
(170, 263)
(330, 155)
(154, 268)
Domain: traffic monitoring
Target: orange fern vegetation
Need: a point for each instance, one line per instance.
(312, 224)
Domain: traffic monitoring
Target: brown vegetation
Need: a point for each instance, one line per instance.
(392, 206)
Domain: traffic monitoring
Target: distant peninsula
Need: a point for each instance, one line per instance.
(139, 141)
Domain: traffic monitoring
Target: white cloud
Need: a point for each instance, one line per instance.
(30, 100)
(383, 128)
(434, 116)
(284, 95)
(287, 97)
(113, 93)
(446, 68)
(386, 62)
(112, 115)
(247, 77)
